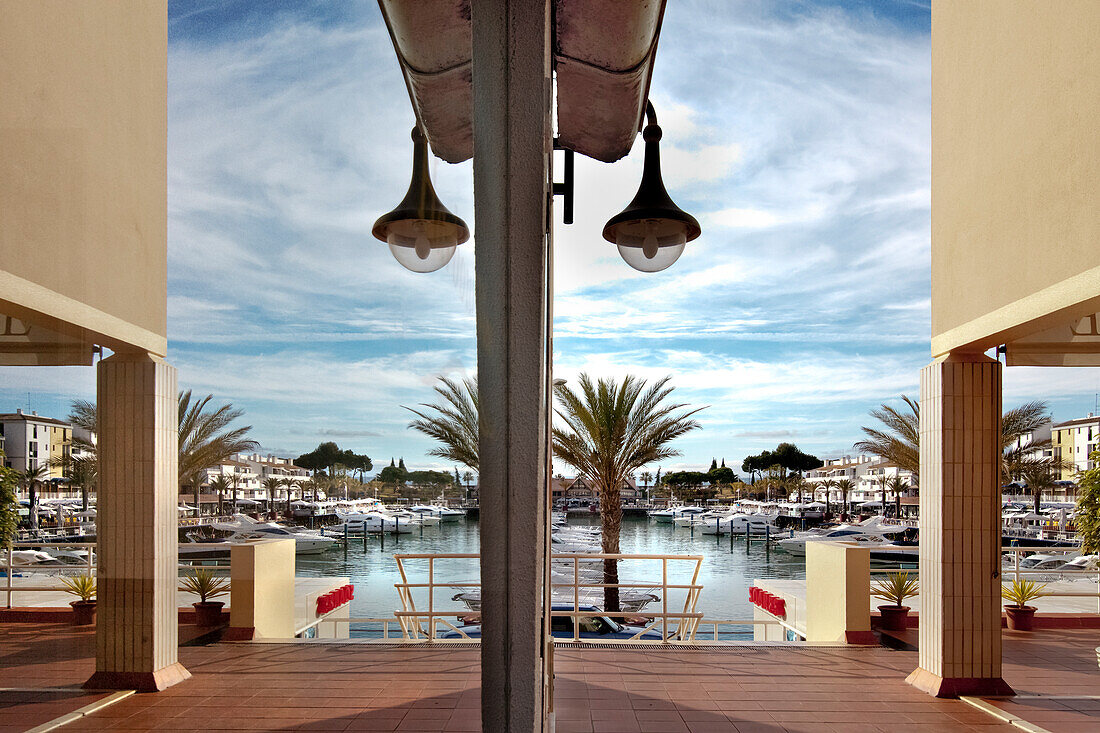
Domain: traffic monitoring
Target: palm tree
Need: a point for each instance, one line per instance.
(235, 480)
(898, 441)
(272, 484)
(204, 437)
(30, 479)
(1040, 478)
(219, 484)
(290, 484)
(828, 484)
(896, 484)
(611, 430)
(454, 423)
(846, 488)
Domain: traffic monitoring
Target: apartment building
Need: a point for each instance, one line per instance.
(1074, 441)
(868, 474)
(31, 441)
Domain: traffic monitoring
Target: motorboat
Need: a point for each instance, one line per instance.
(246, 529)
(435, 510)
(666, 516)
(742, 524)
(696, 519)
(874, 529)
(373, 521)
(797, 546)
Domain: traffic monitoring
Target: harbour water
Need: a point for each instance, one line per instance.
(727, 569)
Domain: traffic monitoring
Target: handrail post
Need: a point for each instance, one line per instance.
(8, 572)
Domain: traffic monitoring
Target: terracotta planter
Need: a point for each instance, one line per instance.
(208, 613)
(1020, 618)
(83, 613)
(893, 617)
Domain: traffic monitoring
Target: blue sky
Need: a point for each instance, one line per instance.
(797, 132)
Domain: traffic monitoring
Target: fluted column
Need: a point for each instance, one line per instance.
(960, 532)
(137, 524)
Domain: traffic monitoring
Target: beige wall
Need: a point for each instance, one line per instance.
(1015, 168)
(838, 592)
(83, 184)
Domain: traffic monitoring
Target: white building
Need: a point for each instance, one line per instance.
(31, 441)
(868, 475)
(248, 472)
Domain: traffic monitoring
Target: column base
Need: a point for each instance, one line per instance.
(141, 681)
(938, 686)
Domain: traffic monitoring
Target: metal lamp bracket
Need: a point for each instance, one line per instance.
(565, 188)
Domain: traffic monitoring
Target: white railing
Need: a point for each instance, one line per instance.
(422, 620)
(1040, 576)
(10, 568)
(87, 567)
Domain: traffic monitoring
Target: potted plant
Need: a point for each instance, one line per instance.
(83, 587)
(206, 585)
(1021, 617)
(895, 587)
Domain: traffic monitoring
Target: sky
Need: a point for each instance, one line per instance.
(797, 133)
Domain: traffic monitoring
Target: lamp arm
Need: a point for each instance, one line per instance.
(650, 113)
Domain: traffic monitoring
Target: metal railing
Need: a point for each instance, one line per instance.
(427, 621)
(10, 568)
(1039, 575)
(88, 566)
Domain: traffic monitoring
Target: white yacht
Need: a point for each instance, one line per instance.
(246, 529)
(666, 516)
(373, 521)
(742, 524)
(435, 510)
(872, 531)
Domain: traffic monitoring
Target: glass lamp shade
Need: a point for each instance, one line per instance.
(652, 230)
(421, 232)
(422, 245)
(651, 245)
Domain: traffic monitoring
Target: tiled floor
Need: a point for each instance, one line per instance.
(356, 687)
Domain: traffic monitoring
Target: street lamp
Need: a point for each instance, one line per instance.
(651, 231)
(421, 232)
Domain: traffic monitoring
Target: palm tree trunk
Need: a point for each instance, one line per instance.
(897, 505)
(84, 496)
(1037, 493)
(32, 497)
(197, 488)
(611, 517)
(221, 502)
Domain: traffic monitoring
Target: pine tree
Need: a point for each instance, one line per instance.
(713, 465)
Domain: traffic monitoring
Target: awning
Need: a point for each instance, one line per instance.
(603, 58)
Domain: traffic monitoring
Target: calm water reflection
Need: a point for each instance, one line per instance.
(726, 573)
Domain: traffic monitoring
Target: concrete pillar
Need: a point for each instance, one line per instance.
(511, 121)
(838, 593)
(960, 532)
(261, 591)
(136, 524)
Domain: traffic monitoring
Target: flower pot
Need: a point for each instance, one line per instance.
(208, 613)
(893, 617)
(83, 613)
(1020, 618)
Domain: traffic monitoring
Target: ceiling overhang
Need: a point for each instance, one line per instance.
(603, 60)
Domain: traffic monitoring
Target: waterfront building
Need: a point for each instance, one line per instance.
(868, 474)
(1074, 441)
(33, 441)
